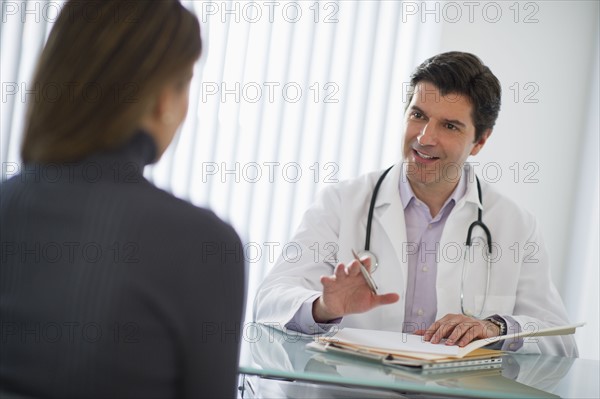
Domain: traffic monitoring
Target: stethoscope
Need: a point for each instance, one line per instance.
(374, 263)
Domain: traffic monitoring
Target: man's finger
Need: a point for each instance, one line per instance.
(468, 336)
(386, 299)
(430, 331)
(444, 330)
(340, 271)
(459, 331)
(354, 268)
(327, 280)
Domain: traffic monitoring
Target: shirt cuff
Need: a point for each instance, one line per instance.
(512, 327)
(304, 322)
(509, 345)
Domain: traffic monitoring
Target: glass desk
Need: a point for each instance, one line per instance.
(267, 352)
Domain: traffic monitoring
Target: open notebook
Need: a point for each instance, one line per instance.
(396, 348)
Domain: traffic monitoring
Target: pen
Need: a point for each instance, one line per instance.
(366, 274)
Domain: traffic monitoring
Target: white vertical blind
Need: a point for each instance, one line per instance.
(23, 32)
(287, 98)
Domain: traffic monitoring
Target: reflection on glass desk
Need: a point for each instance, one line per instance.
(270, 353)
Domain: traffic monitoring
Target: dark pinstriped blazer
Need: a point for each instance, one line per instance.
(111, 287)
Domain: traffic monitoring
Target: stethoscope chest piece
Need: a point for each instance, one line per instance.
(372, 257)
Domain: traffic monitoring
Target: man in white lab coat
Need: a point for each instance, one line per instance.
(421, 215)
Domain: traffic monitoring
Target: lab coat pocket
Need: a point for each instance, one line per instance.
(496, 304)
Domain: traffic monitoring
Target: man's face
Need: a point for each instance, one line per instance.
(439, 136)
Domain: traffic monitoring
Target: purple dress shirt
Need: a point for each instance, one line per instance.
(423, 233)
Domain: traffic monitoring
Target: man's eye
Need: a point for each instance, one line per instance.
(450, 126)
(417, 115)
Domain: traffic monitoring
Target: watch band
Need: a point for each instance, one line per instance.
(499, 322)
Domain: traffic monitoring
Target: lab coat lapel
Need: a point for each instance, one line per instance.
(389, 212)
(452, 244)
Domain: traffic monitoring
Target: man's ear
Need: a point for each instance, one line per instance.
(481, 142)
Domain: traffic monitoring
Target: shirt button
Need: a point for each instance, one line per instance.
(428, 227)
(420, 312)
(425, 268)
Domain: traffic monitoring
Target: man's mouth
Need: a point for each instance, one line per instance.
(424, 156)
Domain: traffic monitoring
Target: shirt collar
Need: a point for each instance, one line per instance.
(407, 195)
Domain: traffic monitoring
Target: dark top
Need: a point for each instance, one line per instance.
(111, 287)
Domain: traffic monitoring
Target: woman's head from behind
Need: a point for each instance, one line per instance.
(109, 68)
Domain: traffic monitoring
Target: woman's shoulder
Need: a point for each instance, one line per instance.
(173, 213)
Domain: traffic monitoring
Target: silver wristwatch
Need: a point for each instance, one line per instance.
(499, 322)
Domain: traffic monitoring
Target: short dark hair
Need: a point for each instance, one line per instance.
(464, 74)
(125, 50)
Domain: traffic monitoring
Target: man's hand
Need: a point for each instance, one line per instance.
(459, 330)
(347, 292)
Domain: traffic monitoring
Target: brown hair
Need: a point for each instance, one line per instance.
(464, 74)
(100, 71)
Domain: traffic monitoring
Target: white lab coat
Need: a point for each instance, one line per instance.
(520, 284)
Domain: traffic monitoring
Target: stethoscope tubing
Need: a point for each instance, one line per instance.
(478, 222)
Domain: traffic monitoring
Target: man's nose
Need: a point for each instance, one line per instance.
(428, 135)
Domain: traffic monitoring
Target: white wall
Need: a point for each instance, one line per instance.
(582, 288)
(557, 56)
